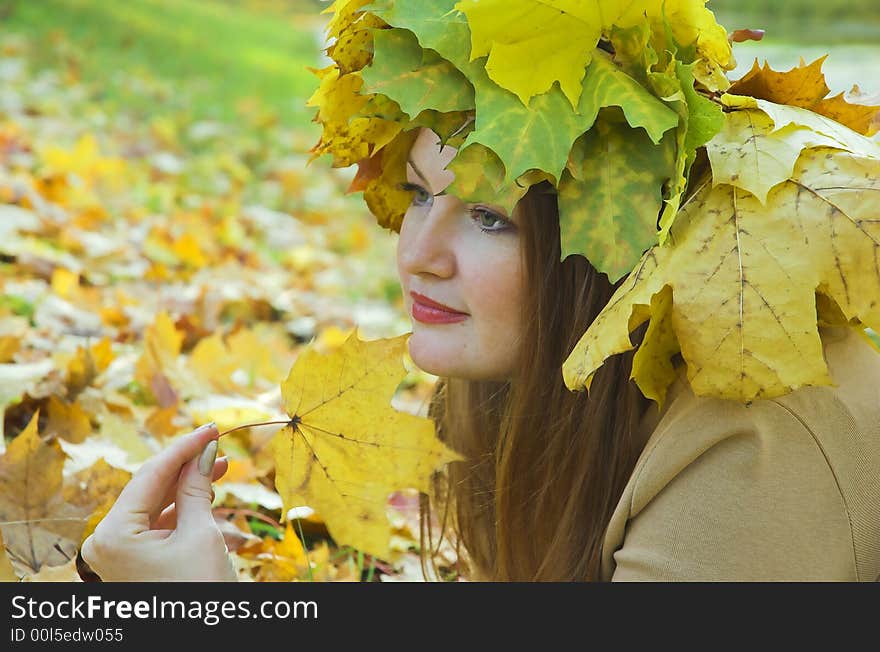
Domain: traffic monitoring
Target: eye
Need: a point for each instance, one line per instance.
(420, 196)
(489, 221)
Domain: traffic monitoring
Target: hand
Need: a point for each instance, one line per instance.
(145, 538)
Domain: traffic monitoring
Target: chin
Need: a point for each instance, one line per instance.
(429, 357)
(444, 358)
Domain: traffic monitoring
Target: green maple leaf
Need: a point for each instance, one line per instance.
(448, 35)
(611, 194)
(416, 79)
(701, 120)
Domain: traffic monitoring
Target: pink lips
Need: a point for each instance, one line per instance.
(429, 311)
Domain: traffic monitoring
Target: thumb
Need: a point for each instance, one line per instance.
(194, 493)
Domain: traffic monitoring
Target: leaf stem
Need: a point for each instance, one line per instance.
(261, 423)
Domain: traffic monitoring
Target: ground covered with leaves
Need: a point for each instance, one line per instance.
(157, 273)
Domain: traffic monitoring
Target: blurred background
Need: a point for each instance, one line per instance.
(229, 50)
(847, 30)
(167, 250)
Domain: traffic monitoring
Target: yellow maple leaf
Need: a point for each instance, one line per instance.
(345, 12)
(84, 160)
(246, 358)
(744, 278)
(350, 140)
(7, 572)
(188, 251)
(353, 48)
(563, 34)
(382, 194)
(64, 282)
(282, 561)
(9, 346)
(68, 420)
(63, 573)
(157, 368)
(346, 450)
(160, 422)
(87, 363)
(94, 490)
(39, 526)
(758, 146)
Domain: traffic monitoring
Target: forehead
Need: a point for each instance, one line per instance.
(427, 161)
(426, 151)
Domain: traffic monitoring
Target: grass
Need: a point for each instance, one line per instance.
(225, 52)
(229, 52)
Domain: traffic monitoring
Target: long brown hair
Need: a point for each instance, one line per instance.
(545, 466)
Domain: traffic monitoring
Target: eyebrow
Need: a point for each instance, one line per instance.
(421, 176)
(418, 172)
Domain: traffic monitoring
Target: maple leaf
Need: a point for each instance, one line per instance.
(563, 35)
(353, 31)
(63, 573)
(15, 381)
(279, 561)
(449, 37)
(805, 86)
(416, 79)
(701, 120)
(516, 33)
(68, 420)
(243, 359)
(345, 13)
(337, 98)
(747, 277)
(7, 572)
(85, 161)
(38, 525)
(608, 212)
(346, 450)
(757, 149)
(160, 368)
(162, 342)
(505, 125)
(382, 194)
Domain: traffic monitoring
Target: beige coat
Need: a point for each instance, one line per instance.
(782, 489)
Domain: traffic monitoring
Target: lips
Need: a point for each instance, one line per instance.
(425, 301)
(429, 311)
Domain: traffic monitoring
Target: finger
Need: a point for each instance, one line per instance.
(139, 502)
(194, 492)
(167, 520)
(221, 466)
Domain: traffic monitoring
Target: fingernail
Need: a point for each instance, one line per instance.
(206, 459)
(205, 427)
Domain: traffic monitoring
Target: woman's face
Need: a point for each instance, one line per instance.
(465, 257)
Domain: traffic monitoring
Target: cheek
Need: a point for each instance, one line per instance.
(401, 247)
(495, 287)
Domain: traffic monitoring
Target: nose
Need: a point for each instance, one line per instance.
(427, 239)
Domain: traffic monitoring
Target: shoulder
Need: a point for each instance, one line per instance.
(844, 420)
(724, 490)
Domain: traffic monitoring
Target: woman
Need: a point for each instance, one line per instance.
(780, 489)
(605, 484)
(472, 259)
